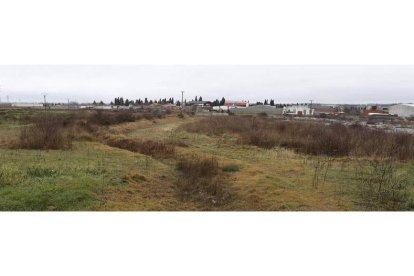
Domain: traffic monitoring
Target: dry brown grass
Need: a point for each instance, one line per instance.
(152, 148)
(107, 118)
(202, 181)
(57, 130)
(310, 137)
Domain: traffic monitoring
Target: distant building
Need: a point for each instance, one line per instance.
(382, 108)
(230, 105)
(402, 110)
(353, 109)
(327, 112)
(28, 105)
(199, 103)
(221, 108)
(236, 104)
(169, 106)
(102, 107)
(298, 110)
(380, 118)
(373, 109)
(257, 109)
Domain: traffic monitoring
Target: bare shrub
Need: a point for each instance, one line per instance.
(198, 167)
(84, 130)
(157, 149)
(314, 138)
(47, 131)
(125, 117)
(107, 118)
(202, 180)
(381, 187)
(321, 168)
(148, 116)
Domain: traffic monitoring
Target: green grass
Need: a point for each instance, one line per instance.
(62, 180)
(231, 168)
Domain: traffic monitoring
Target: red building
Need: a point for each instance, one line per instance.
(236, 103)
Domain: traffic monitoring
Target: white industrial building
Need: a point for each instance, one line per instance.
(298, 110)
(33, 105)
(402, 110)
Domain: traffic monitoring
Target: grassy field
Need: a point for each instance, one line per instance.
(92, 175)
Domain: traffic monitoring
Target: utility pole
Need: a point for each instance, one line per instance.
(44, 99)
(68, 104)
(182, 99)
(310, 107)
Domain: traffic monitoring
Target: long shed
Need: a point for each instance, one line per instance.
(402, 110)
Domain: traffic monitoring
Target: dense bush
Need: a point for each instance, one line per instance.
(46, 131)
(107, 118)
(202, 181)
(310, 137)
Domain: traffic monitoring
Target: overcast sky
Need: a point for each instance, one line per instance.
(283, 83)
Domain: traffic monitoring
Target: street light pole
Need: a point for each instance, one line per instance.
(182, 99)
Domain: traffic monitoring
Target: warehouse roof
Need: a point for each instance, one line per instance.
(406, 104)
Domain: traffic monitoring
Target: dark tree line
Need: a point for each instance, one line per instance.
(216, 102)
(120, 101)
(267, 102)
(271, 102)
(126, 102)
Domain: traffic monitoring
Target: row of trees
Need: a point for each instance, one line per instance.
(267, 102)
(216, 102)
(272, 103)
(126, 102)
(120, 101)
